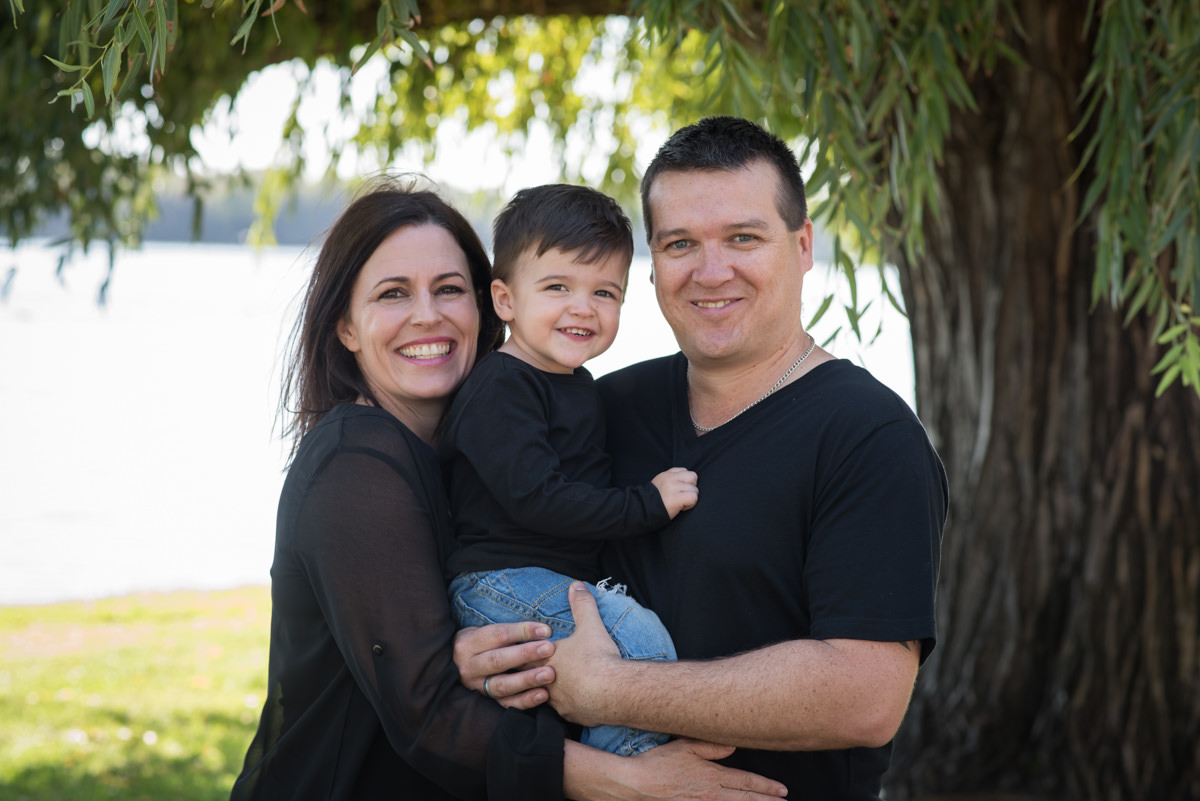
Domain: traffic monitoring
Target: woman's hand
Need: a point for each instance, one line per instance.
(484, 656)
(680, 769)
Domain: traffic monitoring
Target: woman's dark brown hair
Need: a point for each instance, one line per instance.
(320, 372)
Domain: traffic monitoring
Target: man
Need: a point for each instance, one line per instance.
(800, 589)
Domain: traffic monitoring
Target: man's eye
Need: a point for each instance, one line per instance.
(743, 238)
(678, 244)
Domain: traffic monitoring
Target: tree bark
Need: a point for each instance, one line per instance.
(1068, 665)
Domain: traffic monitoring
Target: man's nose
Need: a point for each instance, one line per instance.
(714, 267)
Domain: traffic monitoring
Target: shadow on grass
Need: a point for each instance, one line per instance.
(149, 779)
(141, 772)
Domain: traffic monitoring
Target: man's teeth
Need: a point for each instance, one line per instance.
(427, 351)
(712, 304)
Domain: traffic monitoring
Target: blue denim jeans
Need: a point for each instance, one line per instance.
(534, 593)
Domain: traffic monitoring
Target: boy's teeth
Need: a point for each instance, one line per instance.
(427, 351)
(579, 331)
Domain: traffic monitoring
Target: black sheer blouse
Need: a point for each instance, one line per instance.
(364, 700)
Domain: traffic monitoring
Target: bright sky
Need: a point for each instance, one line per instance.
(465, 160)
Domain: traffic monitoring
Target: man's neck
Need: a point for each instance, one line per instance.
(719, 392)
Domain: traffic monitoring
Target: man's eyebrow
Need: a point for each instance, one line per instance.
(753, 222)
(670, 234)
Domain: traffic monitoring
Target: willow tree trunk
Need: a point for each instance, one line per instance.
(1069, 660)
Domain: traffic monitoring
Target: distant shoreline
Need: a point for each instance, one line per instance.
(141, 596)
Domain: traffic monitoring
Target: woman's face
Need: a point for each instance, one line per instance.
(413, 323)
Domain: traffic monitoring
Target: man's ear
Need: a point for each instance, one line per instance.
(347, 335)
(502, 301)
(804, 243)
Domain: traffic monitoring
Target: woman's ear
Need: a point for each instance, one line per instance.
(502, 301)
(347, 335)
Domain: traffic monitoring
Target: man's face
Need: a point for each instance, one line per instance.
(727, 272)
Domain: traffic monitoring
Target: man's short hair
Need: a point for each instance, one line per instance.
(730, 143)
(573, 219)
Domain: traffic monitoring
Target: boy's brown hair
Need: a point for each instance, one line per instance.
(573, 219)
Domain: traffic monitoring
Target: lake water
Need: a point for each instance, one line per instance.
(138, 448)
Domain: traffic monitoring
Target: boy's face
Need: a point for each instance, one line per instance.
(560, 313)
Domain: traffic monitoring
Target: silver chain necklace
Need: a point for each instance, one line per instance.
(812, 343)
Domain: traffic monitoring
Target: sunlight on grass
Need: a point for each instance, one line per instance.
(150, 696)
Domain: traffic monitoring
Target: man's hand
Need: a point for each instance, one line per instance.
(582, 662)
(678, 487)
(487, 654)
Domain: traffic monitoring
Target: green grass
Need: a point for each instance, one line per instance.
(146, 697)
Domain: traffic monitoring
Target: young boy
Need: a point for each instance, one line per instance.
(523, 453)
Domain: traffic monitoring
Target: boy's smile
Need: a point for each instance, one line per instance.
(561, 313)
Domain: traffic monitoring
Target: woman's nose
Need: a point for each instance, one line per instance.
(425, 310)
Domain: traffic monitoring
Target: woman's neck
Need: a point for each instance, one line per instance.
(422, 419)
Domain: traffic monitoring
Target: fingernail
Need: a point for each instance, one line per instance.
(542, 631)
(578, 586)
(544, 676)
(545, 649)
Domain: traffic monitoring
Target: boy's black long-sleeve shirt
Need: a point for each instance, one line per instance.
(528, 476)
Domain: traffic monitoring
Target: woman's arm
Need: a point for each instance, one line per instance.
(367, 538)
(680, 769)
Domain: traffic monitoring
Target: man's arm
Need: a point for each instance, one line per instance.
(801, 695)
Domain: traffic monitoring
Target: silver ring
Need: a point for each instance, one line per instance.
(488, 690)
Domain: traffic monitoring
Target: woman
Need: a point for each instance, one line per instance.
(363, 698)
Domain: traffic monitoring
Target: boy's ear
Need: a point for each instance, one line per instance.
(502, 301)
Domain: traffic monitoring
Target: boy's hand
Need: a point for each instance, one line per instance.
(678, 488)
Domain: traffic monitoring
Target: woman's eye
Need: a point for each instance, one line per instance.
(392, 294)
(451, 289)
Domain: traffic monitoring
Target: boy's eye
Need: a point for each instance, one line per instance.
(605, 293)
(556, 288)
